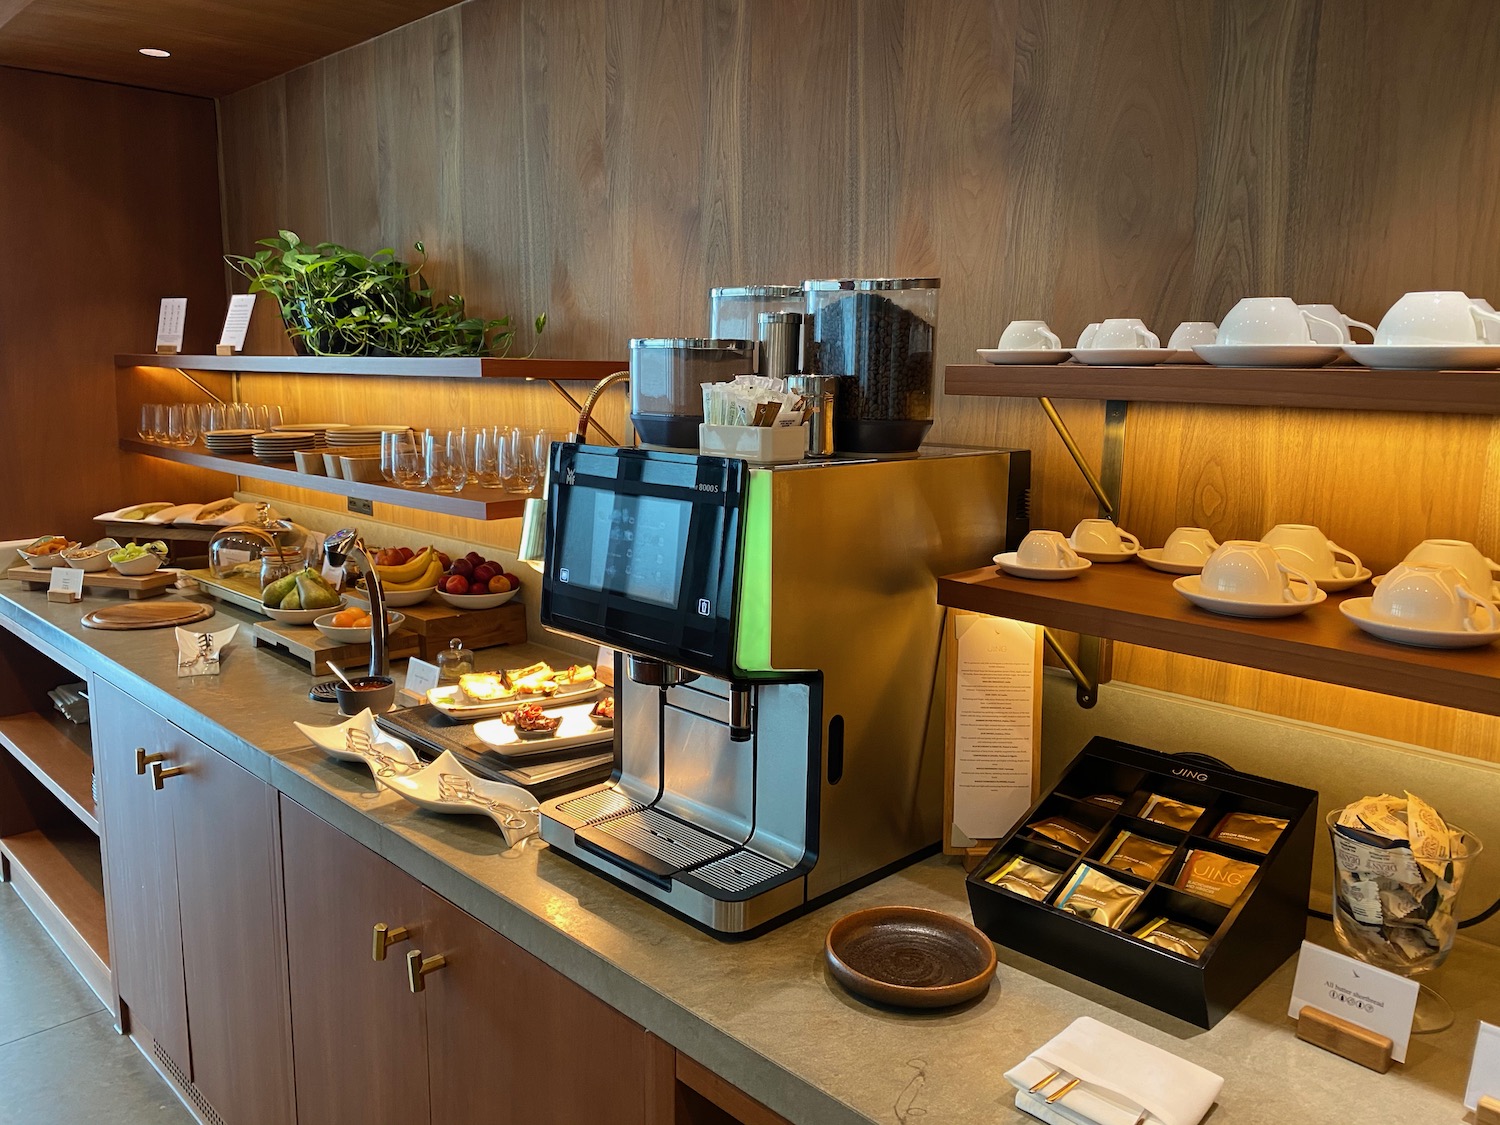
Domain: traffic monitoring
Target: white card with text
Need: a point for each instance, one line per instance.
(237, 320)
(1375, 999)
(170, 323)
(1484, 1076)
(66, 580)
(421, 677)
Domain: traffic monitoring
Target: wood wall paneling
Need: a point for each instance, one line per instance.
(1066, 159)
(108, 202)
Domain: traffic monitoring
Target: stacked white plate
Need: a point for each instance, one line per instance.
(361, 435)
(319, 430)
(283, 446)
(229, 441)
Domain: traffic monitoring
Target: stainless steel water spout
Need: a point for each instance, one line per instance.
(341, 548)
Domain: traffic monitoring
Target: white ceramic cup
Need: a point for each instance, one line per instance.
(1189, 545)
(1269, 320)
(1246, 571)
(1432, 597)
(1102, 536)
(1047, 550)
(1305, 547)
(1477, 569)
(1124, 332)
(1438, 317)
(1332, 326)
(1086, 337)
(1028, 336)
(1191, 333)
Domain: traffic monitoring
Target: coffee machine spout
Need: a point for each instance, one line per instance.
(741, 713)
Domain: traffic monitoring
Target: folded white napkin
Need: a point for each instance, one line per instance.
(1122, 1081)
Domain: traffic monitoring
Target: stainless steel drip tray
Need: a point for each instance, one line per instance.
(661, 848)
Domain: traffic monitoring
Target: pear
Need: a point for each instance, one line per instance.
(315, 593)
(293, 600)
(273, 594)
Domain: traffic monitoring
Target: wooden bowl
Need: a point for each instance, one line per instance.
(910, 957)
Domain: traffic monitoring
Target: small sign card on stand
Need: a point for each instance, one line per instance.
(1483, 1095)
(1352, 1008)
(169, 325)
(65, 584)
(421, 677)
(236, 324)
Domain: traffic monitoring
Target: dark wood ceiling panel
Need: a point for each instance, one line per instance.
(217, 46)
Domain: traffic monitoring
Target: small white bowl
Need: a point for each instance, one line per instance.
(91, 565)
(45, 562)
(477, 601)
(301, 616)
(135, 568)
(397, 599)
(353, 636)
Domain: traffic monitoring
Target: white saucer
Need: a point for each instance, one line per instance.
(1426, 357)
(1152, 557)
(1268, 355)
(1122, 555)
(1334, 585)
(1191, 587)
(1357, 610)
(1022, 355)
(1186, 355)
(1123, 357)
(1008, 564)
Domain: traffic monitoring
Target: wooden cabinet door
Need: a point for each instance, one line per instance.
(511, 1039)
(145, 941)
(233, 937)
(358, 1032)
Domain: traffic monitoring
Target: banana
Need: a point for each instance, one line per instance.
(424, 581)
(413, 568)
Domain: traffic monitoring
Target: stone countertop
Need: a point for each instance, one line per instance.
(765, 1014)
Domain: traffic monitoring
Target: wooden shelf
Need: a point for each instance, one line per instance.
(473, 503)
(1131, 603)
(59, 874)
(55, 752)
(457, 367)
(1318, 388)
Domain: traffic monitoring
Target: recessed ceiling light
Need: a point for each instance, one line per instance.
(156, 52)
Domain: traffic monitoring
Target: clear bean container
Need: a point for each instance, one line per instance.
(734, 310)
(666, 384)
(879, 337)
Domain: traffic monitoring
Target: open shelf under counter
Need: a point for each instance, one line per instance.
(1312, 388)
(472, 502)
(443, 367)
(58, 872)
(56, 753)
(1130, 603)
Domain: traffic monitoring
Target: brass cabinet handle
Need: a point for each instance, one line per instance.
(143, 759)
(417, 967)
(158, 774)
(385, 937)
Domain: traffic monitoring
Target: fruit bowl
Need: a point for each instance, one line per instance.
(135, 568)
(87, 559)
(477, 601)
(302, 616)
(50, 559)
(398, 598)
(357, 634)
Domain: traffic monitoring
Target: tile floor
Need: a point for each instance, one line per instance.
(61, 1062)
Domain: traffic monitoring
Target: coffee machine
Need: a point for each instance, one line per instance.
(779, 697)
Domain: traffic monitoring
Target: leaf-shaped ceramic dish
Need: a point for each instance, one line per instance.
(445, 786)
(360, 740)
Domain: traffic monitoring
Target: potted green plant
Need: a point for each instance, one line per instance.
(336, 301)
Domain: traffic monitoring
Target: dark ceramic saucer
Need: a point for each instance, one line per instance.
(910, 957)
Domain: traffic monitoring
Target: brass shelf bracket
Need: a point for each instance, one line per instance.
(1090, 669)
(578, 408)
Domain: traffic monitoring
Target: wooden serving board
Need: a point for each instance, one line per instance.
(153, 615)
(435, 623)
(146, 586)
(305, 643)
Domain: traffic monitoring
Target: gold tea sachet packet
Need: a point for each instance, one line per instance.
(1249, 830)
(1094, 895)
(1174, 814)
(1216, 877)
(1138, 855)
(1174, 936)
(1108, 800)
(1020, 876)
(1059, 829)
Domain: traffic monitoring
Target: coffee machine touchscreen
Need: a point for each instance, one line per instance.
(630, 545)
